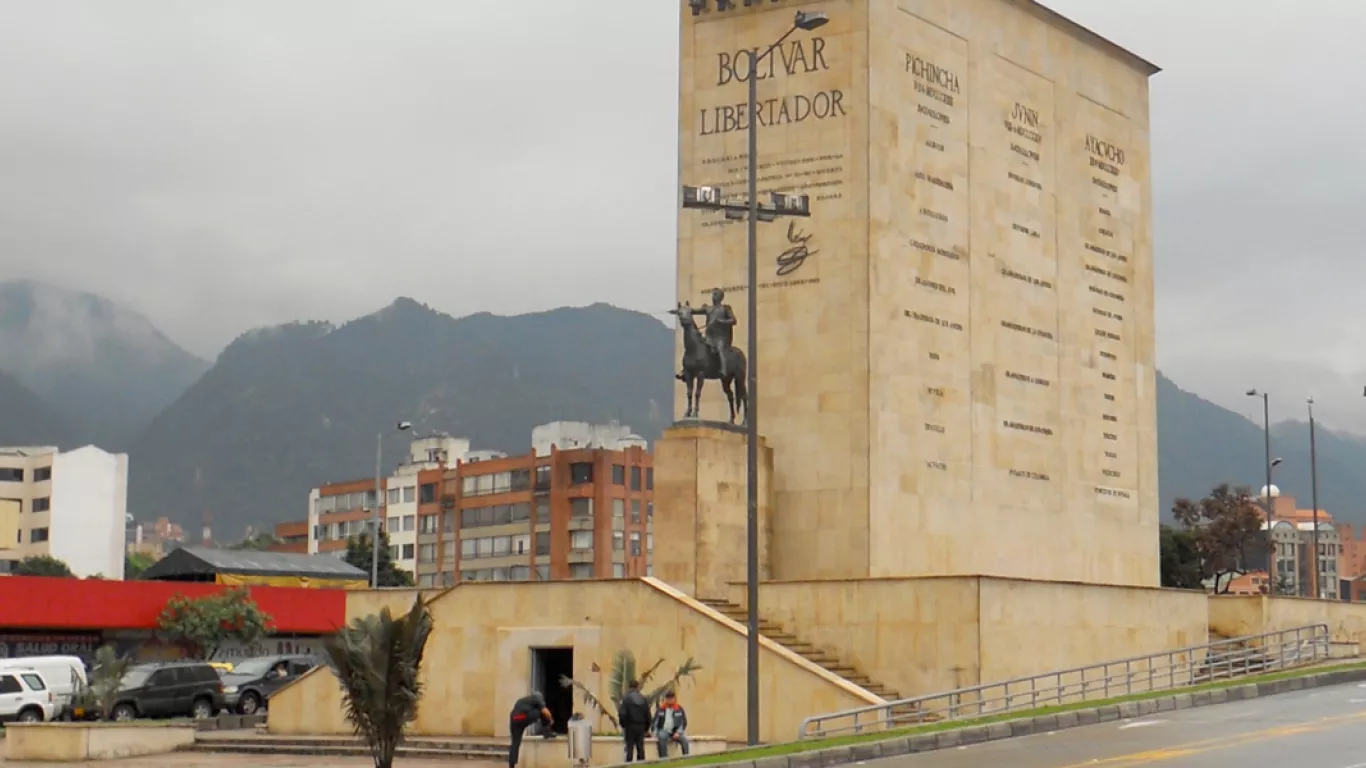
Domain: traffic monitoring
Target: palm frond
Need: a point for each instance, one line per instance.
(645, 676)
(623, 672)
(377, 660)
(684, 671)
(589, 699)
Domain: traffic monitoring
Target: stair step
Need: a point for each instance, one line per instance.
(340, 750)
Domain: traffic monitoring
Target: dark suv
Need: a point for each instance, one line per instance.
(247, 687)
(169, 689)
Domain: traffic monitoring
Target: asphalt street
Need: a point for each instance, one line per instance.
(1320, 728)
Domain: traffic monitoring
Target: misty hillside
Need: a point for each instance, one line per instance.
(288, 408)
(105, 368)
(25, 420)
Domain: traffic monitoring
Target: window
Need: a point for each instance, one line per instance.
(649, 479)
(618, 570)
(618, 508)
(12, 475)
(35, 683)
(543, 543)
(317, 532)
(618, 474)
(580, 472)
(502, 482)
(447, 578)
(581, 508)
(408, 522)
(618, 540)
(409, 495)
(581, 571)
(521, 512)
(326, 504)
(467, 548)
(543, 573)
(649, 510)
(448, 550)
(408, 551)
(635, 511)
(448, 521)
(37, 535)
(427, 494)
(392, 496)
(543, 478)
(635, 478)
(426, 553)
(519, 573)
(10, 684)
(427, 580)
(42, 504)
(649, 570)
(369, 500)
(649, 542)
(521, 544)
(542, 510)
(427, 523)
(394, 552)
(581, 540)
(521, 479)
(393, 523)
(635, 544)
(42, 474)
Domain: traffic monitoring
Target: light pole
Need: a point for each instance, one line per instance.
(1270, 542)
(709, 198)
(379, 496)
(1314, 498)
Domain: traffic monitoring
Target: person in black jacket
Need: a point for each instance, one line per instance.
(633, 713)
(671, 725)
(528, 711)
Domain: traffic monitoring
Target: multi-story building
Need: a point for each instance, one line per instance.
(1292, 533)
(578, 505)
(155, 538)
(70, 505)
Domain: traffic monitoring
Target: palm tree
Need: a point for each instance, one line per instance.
(624, 671)
(377, 659)
(99, 694)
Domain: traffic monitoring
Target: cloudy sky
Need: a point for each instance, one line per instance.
(220, 166)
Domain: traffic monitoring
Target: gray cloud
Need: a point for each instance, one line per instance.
(226, 165)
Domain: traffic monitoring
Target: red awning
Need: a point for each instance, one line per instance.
(31, 602)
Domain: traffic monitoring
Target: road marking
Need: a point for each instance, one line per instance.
(1141, 724)
(1211, 745)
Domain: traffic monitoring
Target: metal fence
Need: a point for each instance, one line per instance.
(1183, 667)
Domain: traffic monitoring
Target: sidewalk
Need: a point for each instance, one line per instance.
(206, 760)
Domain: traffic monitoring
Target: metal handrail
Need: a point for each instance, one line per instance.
(1179, 668)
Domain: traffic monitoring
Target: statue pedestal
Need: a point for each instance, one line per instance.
(700, 509)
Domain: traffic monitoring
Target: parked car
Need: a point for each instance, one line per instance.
(249, 685)
(64, 676)
(25, 697)
(169, 689)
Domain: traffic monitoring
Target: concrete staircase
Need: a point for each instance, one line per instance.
(775, 632)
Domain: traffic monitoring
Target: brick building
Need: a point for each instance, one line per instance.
(580, 504)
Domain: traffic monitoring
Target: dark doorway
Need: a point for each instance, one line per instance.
(548, 666)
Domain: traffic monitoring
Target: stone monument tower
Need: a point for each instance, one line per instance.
(957, 367)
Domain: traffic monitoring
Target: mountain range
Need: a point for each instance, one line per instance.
(287, 408)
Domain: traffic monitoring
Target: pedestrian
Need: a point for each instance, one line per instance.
(528, 711)
(671, 725)
(633, 713)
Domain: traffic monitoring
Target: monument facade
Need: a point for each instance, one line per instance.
(956, 365)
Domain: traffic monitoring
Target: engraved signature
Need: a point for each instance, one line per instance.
(793, 258)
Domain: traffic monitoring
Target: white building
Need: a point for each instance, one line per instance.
(71, 506)
(580, 435)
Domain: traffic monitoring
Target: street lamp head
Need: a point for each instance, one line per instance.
(1309, 400)
(1252, 393)
(1276, 462)
(811, 20)
(404, 425)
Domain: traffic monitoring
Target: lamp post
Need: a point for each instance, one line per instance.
(379, 495)
(1314, 498)
(1270, 542)
(709, 198)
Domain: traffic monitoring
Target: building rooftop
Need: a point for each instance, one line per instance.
(1062, 22)
(194, 562)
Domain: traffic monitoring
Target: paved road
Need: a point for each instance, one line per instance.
(1320, 728)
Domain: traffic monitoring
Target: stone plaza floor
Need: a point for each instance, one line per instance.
(212, 760)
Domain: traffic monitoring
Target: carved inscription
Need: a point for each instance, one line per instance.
(936, 215)
(795, 58)
(1106, 252)
(940, 287)
(939, 465)
(1028, 475)
(1027, 379)
(1031, 428)
(1037, 332)
(1116, 492)
(1035, 281)
(935, 180)
(1106, 273)
(936, 250)
(1034, 233)
(932, 320)
(934, 428)
(1032, 184)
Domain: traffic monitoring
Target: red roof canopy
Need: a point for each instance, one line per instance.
(32, 602)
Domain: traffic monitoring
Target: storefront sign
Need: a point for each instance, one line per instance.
(22, 644)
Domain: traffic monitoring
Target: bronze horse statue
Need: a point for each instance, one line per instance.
(701, 362)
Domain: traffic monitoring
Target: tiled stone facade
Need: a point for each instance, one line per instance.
(959, 376)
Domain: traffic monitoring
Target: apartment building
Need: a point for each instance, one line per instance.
(579, 504)
(1292, 534)
(69, 505)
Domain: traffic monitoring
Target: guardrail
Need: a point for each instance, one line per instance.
(1180, 668)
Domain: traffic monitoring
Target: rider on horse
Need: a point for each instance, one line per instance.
(720, 331)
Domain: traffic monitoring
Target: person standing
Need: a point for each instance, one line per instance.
(528, 711)
(671, 725)
(633, 714)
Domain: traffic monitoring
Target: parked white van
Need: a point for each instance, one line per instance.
(61, 673)
(24, 697)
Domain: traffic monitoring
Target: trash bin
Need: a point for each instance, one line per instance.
(580, 740)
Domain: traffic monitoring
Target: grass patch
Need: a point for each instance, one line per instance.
(811, 745)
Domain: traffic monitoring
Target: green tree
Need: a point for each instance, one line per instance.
(260, 542)
(377, 659)
(623, 672)
(201, 625)
(135, 563)
(1226, 528)
(359, 553)
(1180, 558)
(42, 565)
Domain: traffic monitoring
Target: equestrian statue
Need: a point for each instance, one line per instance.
(712, 355)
